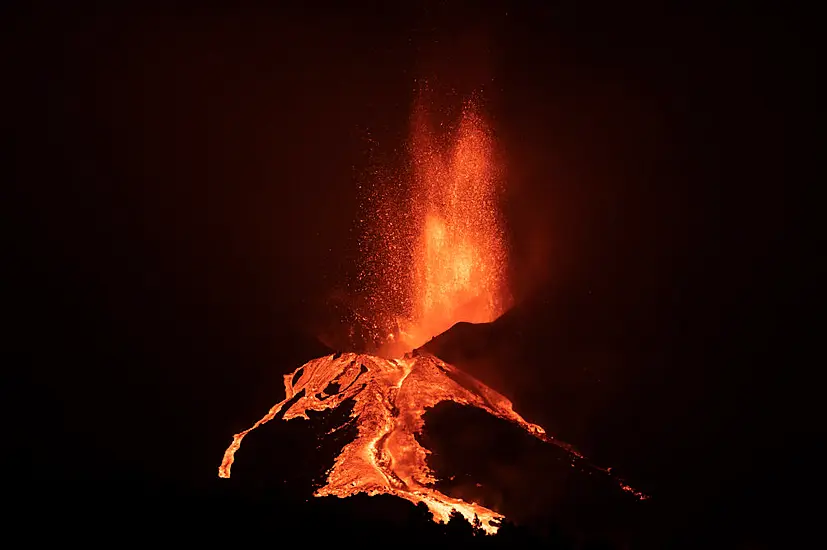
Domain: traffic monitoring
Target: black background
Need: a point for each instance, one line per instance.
(185, 190)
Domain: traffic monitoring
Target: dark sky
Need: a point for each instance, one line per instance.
(186, 187)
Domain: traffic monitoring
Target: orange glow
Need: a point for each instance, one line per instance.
(442, 253)
(435, 260)
(460, 256)
(390, 396)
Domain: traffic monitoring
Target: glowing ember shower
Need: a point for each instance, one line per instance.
(460, 256)
(450, 229)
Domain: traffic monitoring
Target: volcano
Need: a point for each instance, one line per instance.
(432, 259)
(390, 397)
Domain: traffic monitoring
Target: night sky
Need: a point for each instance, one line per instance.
(184, 193)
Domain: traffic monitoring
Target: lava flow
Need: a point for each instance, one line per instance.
(442, 262)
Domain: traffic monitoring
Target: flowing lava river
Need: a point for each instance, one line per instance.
(439, 258)
(391, 396)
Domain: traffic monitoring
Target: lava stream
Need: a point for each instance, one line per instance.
(390, 397)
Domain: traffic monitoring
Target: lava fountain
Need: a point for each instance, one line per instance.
(460, 255)
(437, 260)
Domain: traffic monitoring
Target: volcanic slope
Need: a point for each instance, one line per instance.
(390, 397)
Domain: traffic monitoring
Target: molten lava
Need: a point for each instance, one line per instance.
(435, 260)
(390, 396)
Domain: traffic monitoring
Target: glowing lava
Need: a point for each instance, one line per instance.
(434, 252)
(436, 259)
(460, 255)
(390, 396)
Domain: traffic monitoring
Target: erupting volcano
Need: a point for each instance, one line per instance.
(433, 258)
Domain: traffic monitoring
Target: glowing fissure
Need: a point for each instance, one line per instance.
(436, 260)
